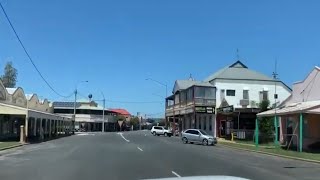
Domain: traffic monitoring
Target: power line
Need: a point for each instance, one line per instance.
(25, 50)
(135, 102)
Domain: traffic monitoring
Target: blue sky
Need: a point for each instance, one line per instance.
(116, 45)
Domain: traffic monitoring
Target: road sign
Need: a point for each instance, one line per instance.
(120, 123)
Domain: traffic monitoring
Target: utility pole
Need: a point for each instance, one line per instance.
(275, 77)
(104, 106)
(75, 105)
(74, 109)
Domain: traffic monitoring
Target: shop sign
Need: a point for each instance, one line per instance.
(227, 109)
(203, 109)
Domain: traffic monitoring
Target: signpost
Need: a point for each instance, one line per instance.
(120, 124)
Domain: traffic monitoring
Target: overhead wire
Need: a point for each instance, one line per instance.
(29, 57)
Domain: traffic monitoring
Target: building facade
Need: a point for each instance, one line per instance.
(36, 116)
(240, 90)
(192, 105)
(297, 118)
(89, 116)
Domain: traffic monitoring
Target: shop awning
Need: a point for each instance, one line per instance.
(294, 108)
(16, 110)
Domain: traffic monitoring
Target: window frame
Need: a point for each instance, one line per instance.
(231, 90)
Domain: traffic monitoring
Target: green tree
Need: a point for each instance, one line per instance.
(9, 78)
(266, 124)
(134, 121)
(120, 118)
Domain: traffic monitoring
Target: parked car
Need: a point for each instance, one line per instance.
(197, 136)
(160, 130)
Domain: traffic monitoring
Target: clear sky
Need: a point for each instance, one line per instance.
(116, 45)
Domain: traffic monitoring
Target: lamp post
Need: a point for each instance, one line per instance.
(75, 102)
(104, 106)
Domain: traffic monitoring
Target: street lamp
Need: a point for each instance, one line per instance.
(75, 102)
(104, 106)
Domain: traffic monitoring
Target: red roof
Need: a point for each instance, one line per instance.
(121, 112)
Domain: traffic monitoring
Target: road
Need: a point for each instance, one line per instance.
(139, 155)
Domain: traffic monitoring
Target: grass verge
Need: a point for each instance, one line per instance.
(276, 151)
(6, 145)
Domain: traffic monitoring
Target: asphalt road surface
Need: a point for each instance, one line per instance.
(139, 155)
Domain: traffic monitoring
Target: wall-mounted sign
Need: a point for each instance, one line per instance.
(227, 109)
(203, 109)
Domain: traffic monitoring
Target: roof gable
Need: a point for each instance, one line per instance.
(238, 64)
(308, 89)
(238, 71)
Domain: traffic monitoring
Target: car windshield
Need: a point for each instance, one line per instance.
(140, 89)
(203, 132)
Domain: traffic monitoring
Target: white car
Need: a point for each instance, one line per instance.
(160, 130)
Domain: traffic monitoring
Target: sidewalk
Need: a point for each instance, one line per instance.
(272, 150)
(9, 145)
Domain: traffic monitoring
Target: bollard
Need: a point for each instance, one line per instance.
(22, 134)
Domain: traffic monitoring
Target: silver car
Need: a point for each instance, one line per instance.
(198, 136)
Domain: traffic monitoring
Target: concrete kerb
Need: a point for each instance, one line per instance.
(271, 154)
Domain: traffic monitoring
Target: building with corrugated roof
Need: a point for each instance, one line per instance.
(89, 115)
(35, 115)
(240, 90)
(225, 102)
(297, 118)
(192, 104)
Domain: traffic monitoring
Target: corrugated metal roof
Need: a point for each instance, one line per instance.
(120, 111)
(238, 71)
(292, 108)
(65, 104)
(29, 96)
(185, 84)
(11, 90)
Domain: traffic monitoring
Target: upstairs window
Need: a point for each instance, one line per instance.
(263, 95)
(231, 92)
(245, 94)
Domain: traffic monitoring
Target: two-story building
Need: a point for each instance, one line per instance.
(89, 116)
(192, 105)
(239, 92)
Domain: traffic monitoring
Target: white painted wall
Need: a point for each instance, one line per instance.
(254, 88)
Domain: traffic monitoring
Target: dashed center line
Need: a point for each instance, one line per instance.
(139, 148)
(123, 137)
(176, 174)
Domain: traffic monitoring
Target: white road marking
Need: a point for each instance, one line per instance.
(176, 174)
(139, 148)
(85, 134)
(123, 137)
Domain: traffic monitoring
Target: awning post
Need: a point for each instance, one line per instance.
(257, 133)
(301, 132)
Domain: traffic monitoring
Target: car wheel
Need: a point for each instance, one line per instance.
(205, 142)
(154, 133)
(165, 134)
(185, 140)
